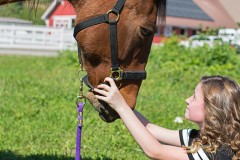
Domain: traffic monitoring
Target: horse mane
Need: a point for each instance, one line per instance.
(162, 5)
(33, 5)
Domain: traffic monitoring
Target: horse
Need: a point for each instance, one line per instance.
(114, 39)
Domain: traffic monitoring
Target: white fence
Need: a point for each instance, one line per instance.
(36, 38)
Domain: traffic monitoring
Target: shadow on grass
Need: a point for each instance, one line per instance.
(9, 155)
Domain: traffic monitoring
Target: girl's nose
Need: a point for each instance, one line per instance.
(188, 100)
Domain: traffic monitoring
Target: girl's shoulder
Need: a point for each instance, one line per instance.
(188, 135)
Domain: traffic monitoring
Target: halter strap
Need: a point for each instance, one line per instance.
(90, 22)
(104, 18)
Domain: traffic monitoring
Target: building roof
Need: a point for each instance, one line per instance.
(10, 20)
(186, 9)
(51, 9)
(209, 13)
(216, 10)
(232, 7)
(60, 8)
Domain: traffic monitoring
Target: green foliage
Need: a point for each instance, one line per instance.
(37, 101)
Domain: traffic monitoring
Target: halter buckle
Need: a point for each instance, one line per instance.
(116, 74)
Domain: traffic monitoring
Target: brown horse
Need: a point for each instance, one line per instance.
(120, 44)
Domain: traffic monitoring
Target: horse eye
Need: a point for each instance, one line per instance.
(145, 32)
(93, 59)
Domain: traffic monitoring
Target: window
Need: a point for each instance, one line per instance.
(182, 31)
(63, 21)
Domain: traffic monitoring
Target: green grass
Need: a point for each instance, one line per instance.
(37, 103)
(38, 116)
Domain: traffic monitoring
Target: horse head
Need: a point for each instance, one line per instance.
(114, 39)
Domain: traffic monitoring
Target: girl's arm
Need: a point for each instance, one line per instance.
(163, 135)
(149, 144)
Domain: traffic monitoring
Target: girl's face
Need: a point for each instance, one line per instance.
(195, 110)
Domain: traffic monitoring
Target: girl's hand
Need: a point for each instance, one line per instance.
(110, 94)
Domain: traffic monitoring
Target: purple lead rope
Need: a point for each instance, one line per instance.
(80, 106)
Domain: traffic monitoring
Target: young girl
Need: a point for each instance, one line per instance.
(214, 107)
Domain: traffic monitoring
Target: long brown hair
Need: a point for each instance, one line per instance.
(221, 127)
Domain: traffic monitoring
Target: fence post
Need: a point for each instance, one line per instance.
(62, 39)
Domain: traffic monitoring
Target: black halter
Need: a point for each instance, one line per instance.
(115, 72)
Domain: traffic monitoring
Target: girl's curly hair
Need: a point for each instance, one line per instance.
(221, 127)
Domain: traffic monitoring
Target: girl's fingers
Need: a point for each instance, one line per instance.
(105, 90)
(110, 81)
(103, 87)
(100, 97)
(101, 92)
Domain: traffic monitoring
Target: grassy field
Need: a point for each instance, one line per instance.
(37, 103)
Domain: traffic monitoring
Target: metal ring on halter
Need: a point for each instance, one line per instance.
(115, 13)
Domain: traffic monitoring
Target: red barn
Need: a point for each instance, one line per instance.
(60, 14)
